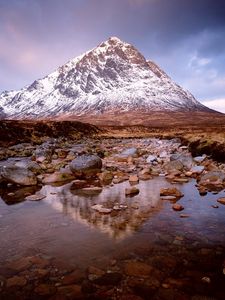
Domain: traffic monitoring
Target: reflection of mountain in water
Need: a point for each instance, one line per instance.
(117, 224)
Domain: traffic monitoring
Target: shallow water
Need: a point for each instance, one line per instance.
(66, 228)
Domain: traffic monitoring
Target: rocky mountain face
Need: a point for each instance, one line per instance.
(114, 76)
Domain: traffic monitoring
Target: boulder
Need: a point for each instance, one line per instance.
(86, 165)
(18, 175)
(123, 156)
(212, 177)
(185, 160)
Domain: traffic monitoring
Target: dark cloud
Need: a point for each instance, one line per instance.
(185, 37)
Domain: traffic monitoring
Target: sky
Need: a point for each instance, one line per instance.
(186, 38)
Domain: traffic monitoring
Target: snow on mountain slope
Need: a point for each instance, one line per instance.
(112, 76)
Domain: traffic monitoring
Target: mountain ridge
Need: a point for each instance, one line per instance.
(112, 76)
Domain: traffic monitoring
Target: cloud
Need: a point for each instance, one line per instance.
(217, 104)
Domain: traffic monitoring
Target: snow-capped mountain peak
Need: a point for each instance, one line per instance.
(112, 76)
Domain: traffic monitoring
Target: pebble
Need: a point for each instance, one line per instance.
(177, 207)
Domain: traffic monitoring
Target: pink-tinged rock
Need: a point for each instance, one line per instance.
(221, 200)
(177, 207)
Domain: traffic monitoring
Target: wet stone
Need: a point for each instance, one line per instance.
(221, 200)
(177, 207)
(36, 197)
(109, 279)
(139, 269)
(45, 289)
(16, 281)
(131, 191)
(171, 192)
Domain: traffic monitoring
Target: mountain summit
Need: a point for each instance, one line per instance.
(114, 76)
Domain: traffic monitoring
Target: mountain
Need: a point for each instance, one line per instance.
(114, 76)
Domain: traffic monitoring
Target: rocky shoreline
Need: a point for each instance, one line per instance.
(91, 166)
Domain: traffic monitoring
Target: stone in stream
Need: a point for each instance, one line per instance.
(199, 159)
(18, 175)
(106, 177)
(133, 178)
(170, 198)
(136, 268)
(221, 200)
(185, 160)
(86, 165)
(112, 278)
(213, 177)
(171, 192)
(177, 207)
(57, 177)
(36, 197)
(197, 169)
(131, 191)
(173, 166)
(16, 281)
(202, 191)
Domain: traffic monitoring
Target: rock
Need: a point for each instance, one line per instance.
(144, 176)
(151, 158)
(221, 200)
(75, 277)
(171, 192)
(18, 175)
(174, 166)
(212, 177)
(129, 152)
(163, 154)
(30, 165)
(20, 264)
(101, 209)
(16, 281)
(120, 179)
(106, 177)
(197, 169)
(43, 154)
(57, 177)
(131, 191)
(36, 197)
(71, 291)
(177, 207)
(199, 159)
(86, 165)
(133, 178)
(139, 269)
(185, 160)
(170, 198)
(202, 191)
(113, 278)
(45, 289)
(126, 154)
